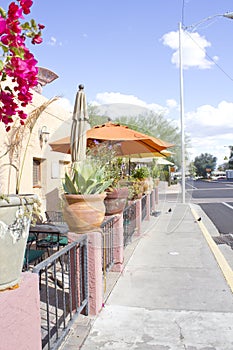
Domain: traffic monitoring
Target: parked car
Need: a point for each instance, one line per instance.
(218, 175)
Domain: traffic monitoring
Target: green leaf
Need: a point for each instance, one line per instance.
(4, 48)
(68, 186)
(1, 65)
(88, 178)
(26, 26)
(4, 76)
(30, 34)
(19, 51)
(7, 88)
(2, 12)
(33, 24)
(105, 185)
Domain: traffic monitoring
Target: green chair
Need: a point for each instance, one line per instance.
(31, 239)
(51, 241)
(32, 256)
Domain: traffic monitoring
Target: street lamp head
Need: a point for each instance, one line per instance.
(195, 25)
(228, 15)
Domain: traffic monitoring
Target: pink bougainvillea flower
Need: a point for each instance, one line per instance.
(19, 63)
(37, 39)
(26, 4)
(4, 39)
(2, 25)
(22, 115)
(14, 11)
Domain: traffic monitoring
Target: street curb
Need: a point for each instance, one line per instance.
(223, 264)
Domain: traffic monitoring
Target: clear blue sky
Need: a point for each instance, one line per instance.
(124, 49)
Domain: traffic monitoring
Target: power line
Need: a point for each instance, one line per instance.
(210, 58)
(182, 12)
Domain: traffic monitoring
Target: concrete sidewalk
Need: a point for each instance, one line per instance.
(172, 294)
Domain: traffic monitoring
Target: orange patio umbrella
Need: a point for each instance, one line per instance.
(129, 141)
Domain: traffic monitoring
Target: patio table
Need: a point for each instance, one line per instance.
(49, 229)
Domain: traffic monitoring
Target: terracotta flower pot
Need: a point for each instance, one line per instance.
(115, 200)
(84, 213)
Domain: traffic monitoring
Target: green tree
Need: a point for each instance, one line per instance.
(94, 117)
(156, 125)
(203, 162)
(230, 162)
(192, 169)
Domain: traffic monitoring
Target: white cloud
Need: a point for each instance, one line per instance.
(216, 146)
(116, 97)
(210, 129)
(65, 104)
(53, 42)
(171, 103)
(193, 49)
(213, 120)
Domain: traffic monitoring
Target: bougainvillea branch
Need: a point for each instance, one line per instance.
(17, 63)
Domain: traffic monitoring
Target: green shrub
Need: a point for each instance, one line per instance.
(141, 173)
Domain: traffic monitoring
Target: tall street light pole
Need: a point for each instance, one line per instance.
(183, 163)
(182, 122)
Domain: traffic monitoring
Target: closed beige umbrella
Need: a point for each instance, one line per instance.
(80, 125)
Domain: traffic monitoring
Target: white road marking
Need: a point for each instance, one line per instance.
(227, 205)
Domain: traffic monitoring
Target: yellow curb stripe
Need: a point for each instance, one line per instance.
(223, 264)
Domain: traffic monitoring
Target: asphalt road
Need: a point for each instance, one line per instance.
(216, 199)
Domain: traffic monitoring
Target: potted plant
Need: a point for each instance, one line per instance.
(117, 193)
(142, 174)
(83, 200)
(135, 189)
(105, 155)
(155, 173)
(18, 75)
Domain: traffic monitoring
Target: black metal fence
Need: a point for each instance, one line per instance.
(144, 206)
(63, 291)
(107, 244)
(129, 223)
(64, 275)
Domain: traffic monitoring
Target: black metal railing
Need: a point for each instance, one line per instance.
(129, 223)
(107, 244)
(144, 206)
(63, 291)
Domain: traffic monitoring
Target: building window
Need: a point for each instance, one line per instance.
(36, 172)
(64, 168)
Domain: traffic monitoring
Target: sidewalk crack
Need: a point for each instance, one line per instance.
(181, 336)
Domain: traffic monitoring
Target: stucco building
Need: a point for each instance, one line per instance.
(26, 158)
